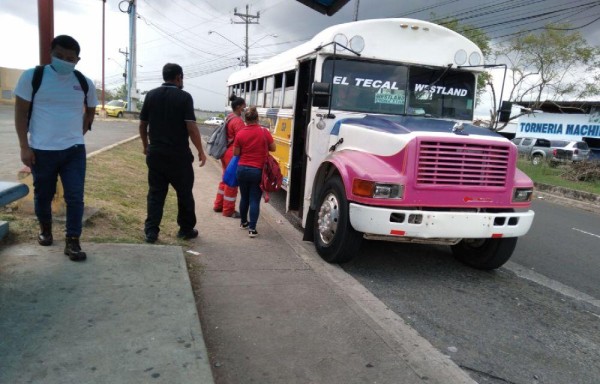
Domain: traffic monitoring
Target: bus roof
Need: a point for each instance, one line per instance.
(408, 41)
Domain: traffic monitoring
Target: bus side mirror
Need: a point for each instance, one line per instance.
(320, 94)
(505, 110)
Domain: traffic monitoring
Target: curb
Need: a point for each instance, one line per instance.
(568, 193)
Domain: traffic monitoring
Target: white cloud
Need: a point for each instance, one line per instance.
(177, 31)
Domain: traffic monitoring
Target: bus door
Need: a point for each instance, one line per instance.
(295, 196)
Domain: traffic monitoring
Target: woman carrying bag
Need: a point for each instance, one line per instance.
(226, 195)
(250, 146)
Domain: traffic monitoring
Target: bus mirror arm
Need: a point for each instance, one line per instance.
(502, 112)
(326, 115)
(334, 146)
(307, 141)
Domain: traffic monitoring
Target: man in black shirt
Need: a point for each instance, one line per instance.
(168, 120)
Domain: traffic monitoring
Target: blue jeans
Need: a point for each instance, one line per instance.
(70, 165)
(250, 192)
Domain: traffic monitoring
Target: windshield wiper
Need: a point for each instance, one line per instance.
(440, 77)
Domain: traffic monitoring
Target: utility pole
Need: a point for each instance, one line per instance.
(247, 19)
(131, 69)
(132, 75)
(46, 28)
(125, 69)
(103, 111)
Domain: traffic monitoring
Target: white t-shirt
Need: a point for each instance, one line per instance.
(57, 116)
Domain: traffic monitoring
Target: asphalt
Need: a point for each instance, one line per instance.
(267, 310)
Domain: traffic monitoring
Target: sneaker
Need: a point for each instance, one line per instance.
(188, 235)
(252, 233)
(244, 225)
(234, 215)
(218, 209)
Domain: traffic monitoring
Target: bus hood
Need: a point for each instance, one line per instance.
(403, 125)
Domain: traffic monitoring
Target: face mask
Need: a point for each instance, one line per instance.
(62, 67)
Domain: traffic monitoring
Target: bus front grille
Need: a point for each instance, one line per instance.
(462, 164)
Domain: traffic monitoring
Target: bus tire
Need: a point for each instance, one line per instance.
(335, 239)
(485, 254)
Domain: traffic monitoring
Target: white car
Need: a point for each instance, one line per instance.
(214, 121)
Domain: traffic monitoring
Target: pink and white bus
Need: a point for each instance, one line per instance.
(372, 120)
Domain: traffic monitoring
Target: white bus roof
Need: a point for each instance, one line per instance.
(408, 41)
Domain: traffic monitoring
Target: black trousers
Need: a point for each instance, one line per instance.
(176, 170)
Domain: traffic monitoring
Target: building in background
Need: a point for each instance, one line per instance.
(563, 120)
(8, 82)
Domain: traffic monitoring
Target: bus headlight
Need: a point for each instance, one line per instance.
(522, 195)
(460, 57)
(367, 188)
(357, 43)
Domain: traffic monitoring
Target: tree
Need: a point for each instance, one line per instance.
(121, 92)
(549, 65)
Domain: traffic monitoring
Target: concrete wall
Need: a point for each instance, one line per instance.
(8, 82)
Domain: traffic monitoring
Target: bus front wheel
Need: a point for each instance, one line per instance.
(335, 239)
(485, 254)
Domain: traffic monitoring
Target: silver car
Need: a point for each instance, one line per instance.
(569, 151)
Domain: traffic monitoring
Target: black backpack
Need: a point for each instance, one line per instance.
(36, 82)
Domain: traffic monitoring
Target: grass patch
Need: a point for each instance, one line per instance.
(546, 174)
(116, 185)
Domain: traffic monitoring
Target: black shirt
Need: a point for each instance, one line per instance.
(166, 109)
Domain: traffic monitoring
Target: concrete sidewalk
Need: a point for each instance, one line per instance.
(273, 312)
(126, 315)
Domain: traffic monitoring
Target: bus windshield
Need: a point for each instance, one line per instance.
(368, 87)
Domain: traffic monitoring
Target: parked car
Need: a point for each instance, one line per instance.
(570, 151)
(535, 149)
(214, 121)
(115, 108)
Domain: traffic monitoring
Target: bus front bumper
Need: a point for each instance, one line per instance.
(439, 224)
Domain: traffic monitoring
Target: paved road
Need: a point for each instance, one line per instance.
(498, 326)
(105, 132)
(564, 245)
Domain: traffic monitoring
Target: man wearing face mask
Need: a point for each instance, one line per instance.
(167, 124)
(55, 145)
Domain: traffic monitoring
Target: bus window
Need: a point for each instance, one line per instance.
(288, 94)
(277, 90)
(368, 87)
(269, 92)
(260, 101)
(441, 93)
(251, 94)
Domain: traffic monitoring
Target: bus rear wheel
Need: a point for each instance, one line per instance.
(335, 239)
(485, 254)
